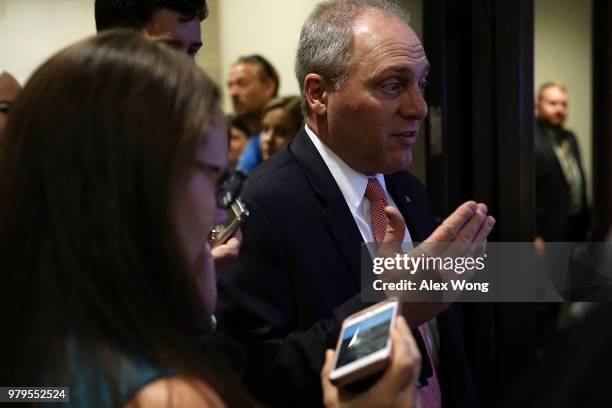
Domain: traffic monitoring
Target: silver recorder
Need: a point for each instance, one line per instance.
(236, 214)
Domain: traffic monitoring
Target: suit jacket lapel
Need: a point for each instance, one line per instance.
(334, 209)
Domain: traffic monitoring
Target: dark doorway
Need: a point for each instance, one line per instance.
(480, 146)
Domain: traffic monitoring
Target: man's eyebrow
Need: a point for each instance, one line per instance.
(400, 69)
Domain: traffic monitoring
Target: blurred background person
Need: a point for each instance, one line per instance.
(175, 22)
(560, 195)
(238, 137)
(252, 82)
(9, 90)
(561, 204)
(281, 120)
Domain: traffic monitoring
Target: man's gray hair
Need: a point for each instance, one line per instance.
(326, 40)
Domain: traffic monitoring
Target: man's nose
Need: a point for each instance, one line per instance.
(413, 105)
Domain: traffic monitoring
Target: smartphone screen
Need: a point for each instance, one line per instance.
(365, 337)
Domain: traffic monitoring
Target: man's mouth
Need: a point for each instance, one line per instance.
(407, 138)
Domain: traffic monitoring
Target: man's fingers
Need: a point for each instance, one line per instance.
(467, 234)
(485, 229)
(479, 246)
(464, 239)
(396, 226)
(394, 235)
(448, 231)
(468, 231)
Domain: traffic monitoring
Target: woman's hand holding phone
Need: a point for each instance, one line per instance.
(396, 387)
(228, 250)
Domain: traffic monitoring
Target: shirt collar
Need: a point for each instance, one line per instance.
(352, 183)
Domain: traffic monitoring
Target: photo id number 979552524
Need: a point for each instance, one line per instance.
(34, 394)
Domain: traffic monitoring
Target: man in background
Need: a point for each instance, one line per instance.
(252, 82)
(175, 22)
(9, 90)
(561, 203)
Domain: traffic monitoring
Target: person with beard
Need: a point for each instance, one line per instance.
(561, 204)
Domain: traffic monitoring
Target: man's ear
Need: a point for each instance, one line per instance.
(270, 87)
(316, 91)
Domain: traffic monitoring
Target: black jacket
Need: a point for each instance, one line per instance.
(552, 191)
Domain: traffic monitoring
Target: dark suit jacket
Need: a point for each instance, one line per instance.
(552, 191)
(298, 277)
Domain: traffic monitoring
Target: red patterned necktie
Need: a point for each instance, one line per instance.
(429, 395)
(378, 201)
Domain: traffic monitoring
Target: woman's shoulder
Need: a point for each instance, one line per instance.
(175, 391)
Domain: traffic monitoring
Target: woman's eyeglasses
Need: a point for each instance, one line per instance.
(229, 183)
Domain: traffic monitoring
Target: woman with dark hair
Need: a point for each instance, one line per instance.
(109, 171)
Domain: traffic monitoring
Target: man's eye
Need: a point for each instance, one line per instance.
(391, 86)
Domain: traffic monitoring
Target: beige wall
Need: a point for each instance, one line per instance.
(33, 30)
(563, 53)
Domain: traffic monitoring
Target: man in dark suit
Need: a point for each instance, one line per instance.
(561, 204)
(341, 182)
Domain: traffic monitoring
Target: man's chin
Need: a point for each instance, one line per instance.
(394, 167)
(405, 161)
